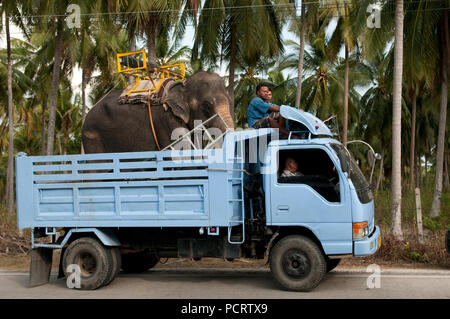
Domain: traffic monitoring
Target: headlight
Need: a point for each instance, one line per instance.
(360, 230)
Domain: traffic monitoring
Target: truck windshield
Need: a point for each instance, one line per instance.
(349, 165)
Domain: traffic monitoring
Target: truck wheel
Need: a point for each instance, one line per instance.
(92, 258)
(138, 262)
(332, 263)
(297, 263)
(115, 255)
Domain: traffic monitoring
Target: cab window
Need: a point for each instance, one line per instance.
(312, 167)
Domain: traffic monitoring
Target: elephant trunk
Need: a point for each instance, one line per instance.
(224, 111)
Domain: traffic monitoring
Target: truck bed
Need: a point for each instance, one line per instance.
(145, 189)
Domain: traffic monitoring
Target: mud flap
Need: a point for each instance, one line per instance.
(40, 266)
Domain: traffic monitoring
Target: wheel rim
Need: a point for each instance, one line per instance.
(87, 264)
(296, 264)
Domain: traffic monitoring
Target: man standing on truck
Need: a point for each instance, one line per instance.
(265, 114)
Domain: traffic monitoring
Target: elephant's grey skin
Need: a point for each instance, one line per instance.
(111, 127)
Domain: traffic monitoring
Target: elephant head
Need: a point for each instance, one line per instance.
(199, 98)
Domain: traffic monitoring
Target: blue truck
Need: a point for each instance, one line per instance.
(108, 212)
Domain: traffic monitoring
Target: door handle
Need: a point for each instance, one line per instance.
(283, 209)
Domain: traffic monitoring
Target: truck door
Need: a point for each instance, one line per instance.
(310, 190)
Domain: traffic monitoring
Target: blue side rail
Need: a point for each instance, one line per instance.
(142, 189)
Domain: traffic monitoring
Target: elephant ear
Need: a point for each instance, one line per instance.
(173, 98)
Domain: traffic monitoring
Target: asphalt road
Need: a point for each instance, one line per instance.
(240, 284)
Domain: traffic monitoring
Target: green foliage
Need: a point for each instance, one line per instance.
(432, 223)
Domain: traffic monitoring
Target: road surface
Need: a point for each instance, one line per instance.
(240, 284)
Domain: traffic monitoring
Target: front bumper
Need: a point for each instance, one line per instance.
(369, 245)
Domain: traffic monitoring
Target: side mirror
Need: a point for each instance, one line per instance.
(372, 157)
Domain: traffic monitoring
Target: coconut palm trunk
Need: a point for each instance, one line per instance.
(84, 81)
(447, 179)
(380, 173)
(345, 130)
(132, 48)
(412, 158)
(298, 95)
(44, 106)
(436, 205)
(231, 66)
(10, 170)
(151, 31)
(396, 124)
(54, 87)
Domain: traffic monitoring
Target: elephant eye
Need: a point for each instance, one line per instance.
(207, 104)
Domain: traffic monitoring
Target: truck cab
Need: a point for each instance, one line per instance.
(327, 200)
(331, 197)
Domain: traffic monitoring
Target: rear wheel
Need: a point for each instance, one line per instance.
(116, 259)
(138, 262)
(92, 259)
(297, 263)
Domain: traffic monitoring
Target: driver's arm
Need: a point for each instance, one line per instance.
(274, 108)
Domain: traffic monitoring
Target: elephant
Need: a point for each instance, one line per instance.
(111, 127)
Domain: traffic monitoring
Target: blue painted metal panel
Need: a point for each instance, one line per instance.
(105, 235)
(103, 190)
(24, 191)
(368, 245)
(362, 212)
(301, 205)
(312, 123)
(218, 194)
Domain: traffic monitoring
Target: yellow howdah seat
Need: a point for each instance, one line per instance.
(150, 78)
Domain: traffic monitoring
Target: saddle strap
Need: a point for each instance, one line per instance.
(151, 122)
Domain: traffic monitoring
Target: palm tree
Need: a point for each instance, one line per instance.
(170, 52)
(51, 21)
(301, 55)
(420, 61)
(150, 17)
(10, 171)
(349, 28)
(105, 52)
(9, 8)
(38, 67)
(376, 117)
(228, 30)
(58, 56)
(85, 57)
(323, 81)
(396, 123)
(69, 121)
(444, 56)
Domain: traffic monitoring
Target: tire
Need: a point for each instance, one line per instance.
(138, 262)
(297, 263)
(95, 262)
(332, 263)
(115, 255)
